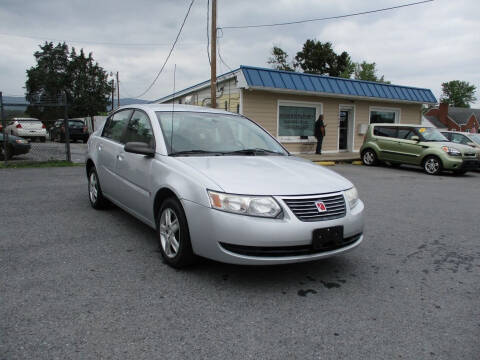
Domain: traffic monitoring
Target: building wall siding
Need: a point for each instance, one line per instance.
(261, 106)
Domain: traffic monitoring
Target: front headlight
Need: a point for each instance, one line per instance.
(352, 197)
(263, 206)
(21, 141)
(451, 151)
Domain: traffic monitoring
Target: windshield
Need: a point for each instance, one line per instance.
(431, 134)
(75, 123)
(204, 133)
(475, 137)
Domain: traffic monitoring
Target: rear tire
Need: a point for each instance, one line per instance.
(95, 195)
(369, 157)
(173, 234)
(42, 139)
(432, 165)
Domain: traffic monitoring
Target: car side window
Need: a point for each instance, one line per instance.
(139, 129)
(406, 133)
(386, 131)
(116, 125)
(447, 135)
(459, 139)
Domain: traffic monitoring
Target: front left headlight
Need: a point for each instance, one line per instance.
(21, 141)
(451, 151)
(263, 206)
(352, 197)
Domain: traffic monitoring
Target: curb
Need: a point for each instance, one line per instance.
(335, 162)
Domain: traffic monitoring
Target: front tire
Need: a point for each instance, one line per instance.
(95, 195)
(173, 234)
(432, 165)
(369, 158)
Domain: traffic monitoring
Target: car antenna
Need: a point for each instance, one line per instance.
(173, 107)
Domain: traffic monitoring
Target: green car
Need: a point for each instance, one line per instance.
(417, 145)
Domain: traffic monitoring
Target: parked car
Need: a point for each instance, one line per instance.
(77, 130)
(217, 185)
(416, 145)
(464, 138)
(29, 128)
(15, 146)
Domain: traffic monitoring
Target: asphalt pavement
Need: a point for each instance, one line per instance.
(76, 283)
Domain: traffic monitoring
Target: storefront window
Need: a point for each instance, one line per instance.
(296, 121)
(383, 116)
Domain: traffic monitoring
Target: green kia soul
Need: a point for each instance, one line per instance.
(417, 145)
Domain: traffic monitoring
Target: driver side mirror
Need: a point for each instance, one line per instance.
(415, 138)
(472, 144)
(140, 148)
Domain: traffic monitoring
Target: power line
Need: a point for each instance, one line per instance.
(220, 55)
(170, 53)
(92, 42)
(326, 18)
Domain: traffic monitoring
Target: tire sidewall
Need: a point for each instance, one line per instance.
(375, 159)
(100, 202)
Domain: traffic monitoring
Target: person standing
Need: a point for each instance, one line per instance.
(319, 133)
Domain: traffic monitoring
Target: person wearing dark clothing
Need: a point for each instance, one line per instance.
(319, 133)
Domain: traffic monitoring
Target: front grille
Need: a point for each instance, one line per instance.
(306, 210)
(279, 251)
(470, 154)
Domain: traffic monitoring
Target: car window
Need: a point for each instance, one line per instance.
(460, 139)
(386, 131)
(447, 135)
(116, 125)
(405, 133)
(139, 129)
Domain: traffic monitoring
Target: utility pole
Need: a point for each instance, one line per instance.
(113, 93)
(213, 65)
(118, 91)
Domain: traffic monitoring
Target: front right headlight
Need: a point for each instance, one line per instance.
(352, 197)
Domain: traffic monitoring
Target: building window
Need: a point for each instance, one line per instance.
(296, 120)
(384, 115)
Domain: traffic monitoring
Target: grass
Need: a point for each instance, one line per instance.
(38, 164)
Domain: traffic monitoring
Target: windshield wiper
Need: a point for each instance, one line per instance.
(254, 151)
(193, 152)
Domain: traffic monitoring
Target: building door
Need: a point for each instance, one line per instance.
(343, 131)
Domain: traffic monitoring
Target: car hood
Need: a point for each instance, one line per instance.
(267, 175)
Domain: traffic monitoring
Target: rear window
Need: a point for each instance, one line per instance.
(385, 131)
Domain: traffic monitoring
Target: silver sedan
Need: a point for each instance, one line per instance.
(217, 185)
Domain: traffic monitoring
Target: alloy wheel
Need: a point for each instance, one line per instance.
(368, 158)
(169, 232)
(432, 166)
(93, 187)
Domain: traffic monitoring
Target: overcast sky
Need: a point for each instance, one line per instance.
(421, 46)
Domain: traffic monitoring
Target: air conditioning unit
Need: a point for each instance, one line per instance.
(362, 129)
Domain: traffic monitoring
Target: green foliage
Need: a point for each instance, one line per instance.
(367, 71)
(320, 58)
(59, 71)
(458, 93)
(279, 60)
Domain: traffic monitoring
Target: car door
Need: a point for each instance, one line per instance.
(109, 146)
(135, 169)
(409, 151)
(386, 140)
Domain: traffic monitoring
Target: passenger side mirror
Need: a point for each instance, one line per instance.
(415, 138)
(472, 144)
(139, 148)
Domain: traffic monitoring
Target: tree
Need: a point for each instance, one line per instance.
(320, 58)
(367, 71)
(279, 60)
(458, 93)
(58, 72)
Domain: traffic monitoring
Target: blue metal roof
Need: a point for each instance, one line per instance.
(276, 79)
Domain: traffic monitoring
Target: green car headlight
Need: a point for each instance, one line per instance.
(451, 151)
(352, 197)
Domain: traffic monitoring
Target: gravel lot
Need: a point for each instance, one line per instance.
(81, 284)
(53, 151)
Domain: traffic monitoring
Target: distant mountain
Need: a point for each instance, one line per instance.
(22, 100)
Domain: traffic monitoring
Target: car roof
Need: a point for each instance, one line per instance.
(175, 108)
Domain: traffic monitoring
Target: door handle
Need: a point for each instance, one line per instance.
(100, 147)
(119, 157)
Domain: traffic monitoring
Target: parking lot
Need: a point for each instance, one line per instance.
(52, 151)
(76, 283)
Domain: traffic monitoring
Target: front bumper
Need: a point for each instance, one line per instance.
(209, 228)
(460, 163)
(19, 149)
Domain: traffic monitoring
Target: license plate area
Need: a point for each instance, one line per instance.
(327, 238)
